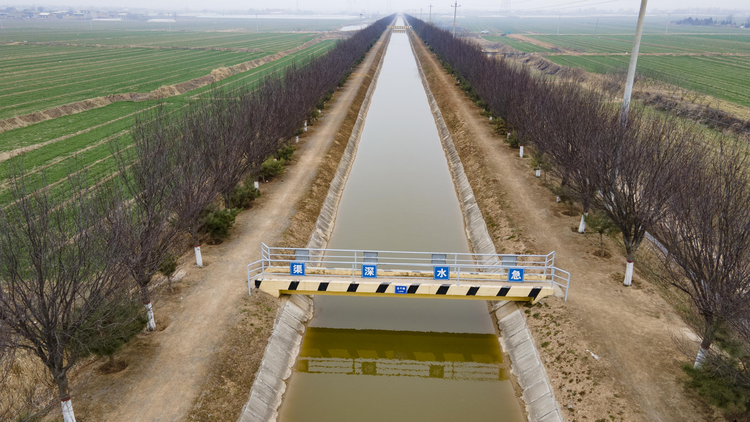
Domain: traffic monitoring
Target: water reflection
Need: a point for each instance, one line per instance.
(471, 357)
(399, 376)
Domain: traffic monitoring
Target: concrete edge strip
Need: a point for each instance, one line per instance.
(269, 385)
(266, 394)
(327, 217)
(538, 394)
(526, 364)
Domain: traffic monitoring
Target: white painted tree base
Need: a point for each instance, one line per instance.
(520, 151)
(538, 173)
(629, 274)
(582, 224)
(702, 352)
(198, 256)
(67, 410)
(150, 313)
(256, 184)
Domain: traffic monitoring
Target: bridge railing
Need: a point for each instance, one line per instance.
(458, 267)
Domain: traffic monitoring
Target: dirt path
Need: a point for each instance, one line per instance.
(635, 374)
(174, 365)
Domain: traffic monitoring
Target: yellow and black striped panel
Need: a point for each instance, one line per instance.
(504, 291)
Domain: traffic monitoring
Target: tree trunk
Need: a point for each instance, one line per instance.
(146, 298)
(198, 256)
(64, 394)
(582, 225)
(629, 269)
(601, 242)
(708, 339)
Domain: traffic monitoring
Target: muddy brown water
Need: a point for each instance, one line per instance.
(394, 359)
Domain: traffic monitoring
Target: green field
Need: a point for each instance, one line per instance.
(83, 139)
(526, 47)
(651, 43)
(710, 60)
(33, 82)
(77, 31)
(622, 25)
(724, 77)
(267, 42)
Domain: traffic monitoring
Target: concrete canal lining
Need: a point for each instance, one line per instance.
(516, 339)
(290, 326)
(296, 311)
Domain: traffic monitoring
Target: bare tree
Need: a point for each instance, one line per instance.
(142, 200)
(707, 238)
(638, 168)
(57, 272)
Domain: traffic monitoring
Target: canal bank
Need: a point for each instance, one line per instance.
(399, 195)
(430, 360)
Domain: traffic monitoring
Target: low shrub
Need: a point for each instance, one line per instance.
(285, 153)
(271, 168)
(243, 195)
(512, 140)
(721, 392)
(498, 126)
(219, 222)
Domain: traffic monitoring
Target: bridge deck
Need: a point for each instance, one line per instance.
(277, 284)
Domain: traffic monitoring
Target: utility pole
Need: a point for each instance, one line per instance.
(430, 13)
(455, 10)
(597, 25)
(669, 15)
(633, 63)
(256, 22)
(558, 24)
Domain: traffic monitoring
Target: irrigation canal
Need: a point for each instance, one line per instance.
(394, 359)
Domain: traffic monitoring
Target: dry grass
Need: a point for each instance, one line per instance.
(233, 370)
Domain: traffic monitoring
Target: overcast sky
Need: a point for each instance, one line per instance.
(383, 6)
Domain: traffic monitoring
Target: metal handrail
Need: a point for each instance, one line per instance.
(469, 263)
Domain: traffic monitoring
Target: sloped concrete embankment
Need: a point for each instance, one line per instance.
(516, 339)
(327, 216)
(283, 346)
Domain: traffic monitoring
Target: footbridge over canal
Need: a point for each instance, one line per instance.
(348, 272)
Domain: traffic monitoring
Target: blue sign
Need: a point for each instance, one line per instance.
(369, 271)
(401, 290)
(297, 268)
(515, 274)
(442, 273)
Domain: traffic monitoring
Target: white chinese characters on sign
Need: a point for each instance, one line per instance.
(515, 274)
(297, 268)
(369, 271)
(442, 273)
